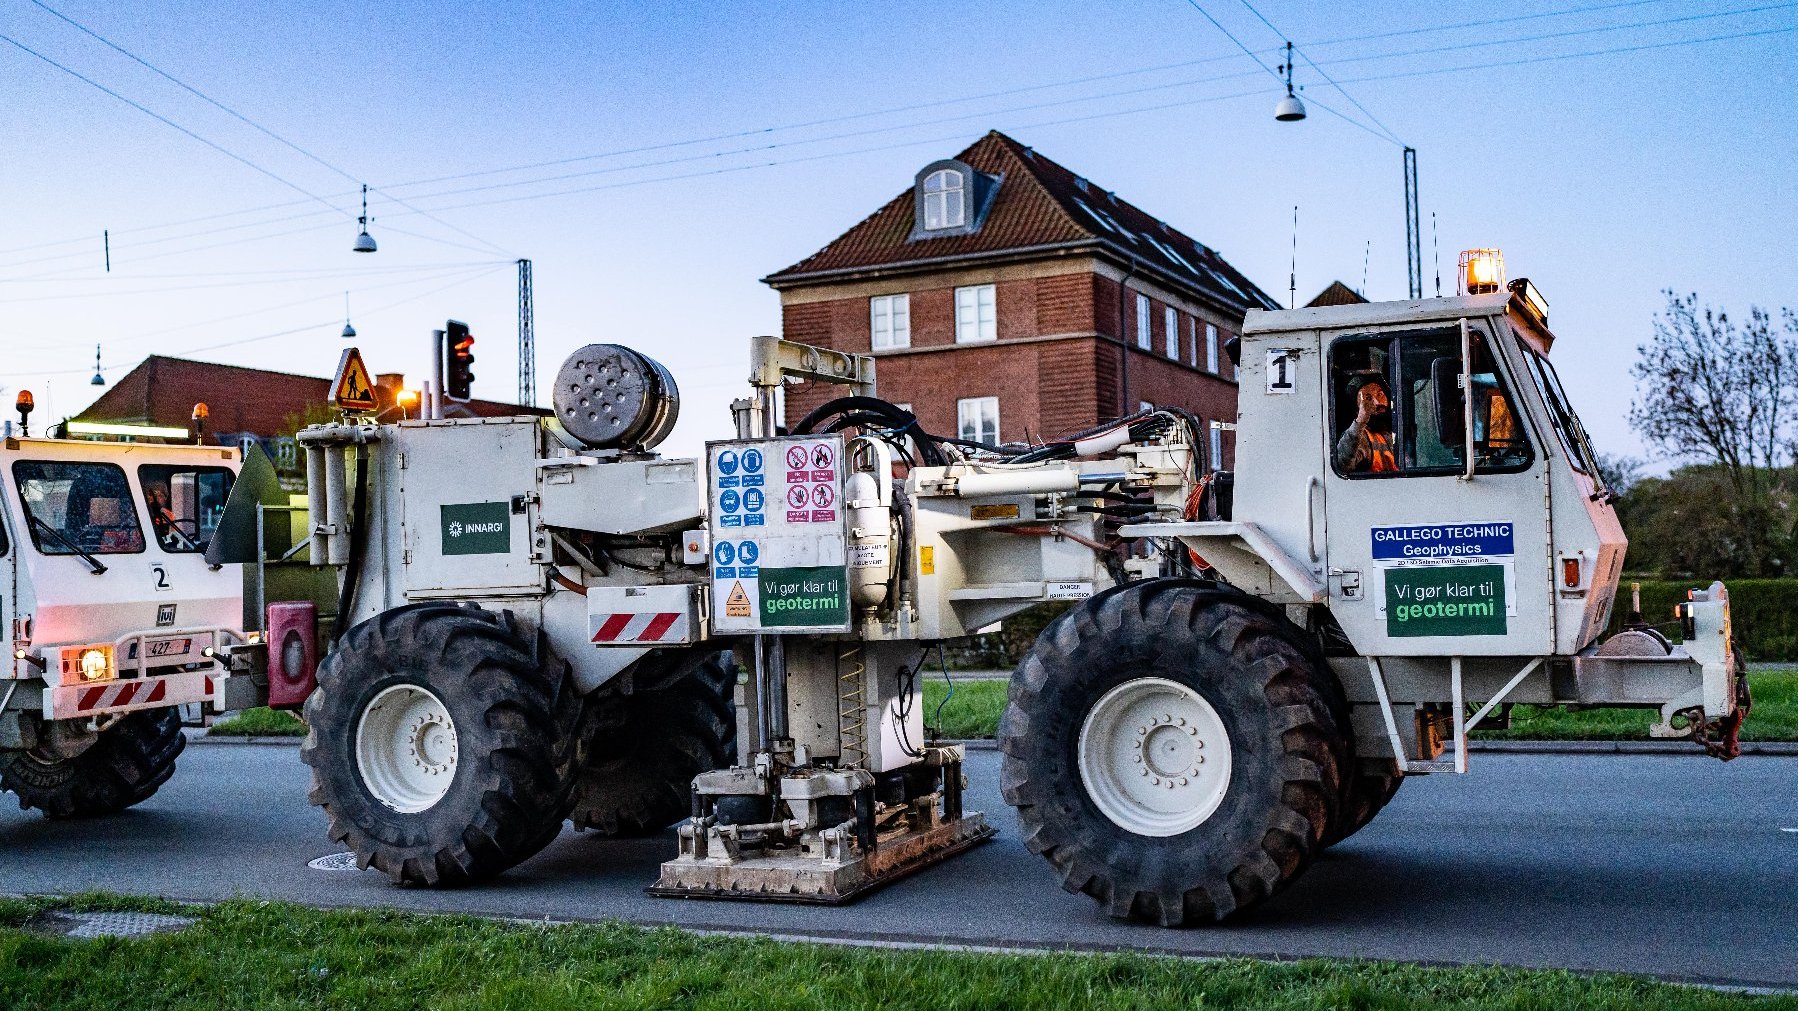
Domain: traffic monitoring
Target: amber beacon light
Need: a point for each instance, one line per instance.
(1482, 271)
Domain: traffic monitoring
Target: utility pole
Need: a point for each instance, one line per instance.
(527, 339)
(1413, 233)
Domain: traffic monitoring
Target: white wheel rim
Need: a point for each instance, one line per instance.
(406, 748)
(1155, 757)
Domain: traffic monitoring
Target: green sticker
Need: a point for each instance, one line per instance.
(477, 528)
(1445, 600)
(817, 595)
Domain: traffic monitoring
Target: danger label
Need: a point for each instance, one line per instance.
(737, 604)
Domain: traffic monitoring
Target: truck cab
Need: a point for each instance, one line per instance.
(110, 605)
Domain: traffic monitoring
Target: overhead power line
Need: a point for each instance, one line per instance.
(146, 110)
(620, 152)
(240, 117)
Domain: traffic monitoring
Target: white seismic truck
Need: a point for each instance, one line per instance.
(550, 621)
(115, 617)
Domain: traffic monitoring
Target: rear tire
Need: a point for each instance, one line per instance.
(1213, 838)
(130, 761)
(642, 750)
(441, 743)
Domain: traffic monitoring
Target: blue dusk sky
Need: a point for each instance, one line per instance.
(677, 153)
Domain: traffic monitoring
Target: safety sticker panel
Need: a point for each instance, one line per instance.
(778, 535)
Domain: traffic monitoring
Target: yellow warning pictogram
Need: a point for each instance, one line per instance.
(353, 390)
(737, 604)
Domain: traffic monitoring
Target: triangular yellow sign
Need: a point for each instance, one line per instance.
(353, 390)
(737, 604)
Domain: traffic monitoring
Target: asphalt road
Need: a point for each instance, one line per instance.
(1677, 867)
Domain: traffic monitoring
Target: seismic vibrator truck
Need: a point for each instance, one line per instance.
(116, 618)
(545, 620)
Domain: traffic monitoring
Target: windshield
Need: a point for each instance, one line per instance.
(76, 507)
(1567, 423)
(185, 503)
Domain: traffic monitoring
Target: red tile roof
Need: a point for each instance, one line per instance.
(1039, 204)
(163, 391)
(1336, 294)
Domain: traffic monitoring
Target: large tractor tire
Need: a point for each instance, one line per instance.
(1174, 749)
(643, 749)
(1364, 795)
(442, 743)
(129, 762)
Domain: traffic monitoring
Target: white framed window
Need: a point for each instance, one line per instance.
(1172, 318)
(1193, 349)
(976, 316)
(1217, 448)
(1143, 338)
(945, 200)
(889, 318)
(977, 418)
(1211, 347)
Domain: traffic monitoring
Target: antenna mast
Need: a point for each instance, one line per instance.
(527, 339)
(1413, 234)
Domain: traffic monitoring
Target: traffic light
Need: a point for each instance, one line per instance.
(458, 346)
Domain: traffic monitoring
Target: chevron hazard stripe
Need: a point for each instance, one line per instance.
(123, 696)
(661, 627)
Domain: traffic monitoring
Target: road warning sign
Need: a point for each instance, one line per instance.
(353, 390)
(737, 604)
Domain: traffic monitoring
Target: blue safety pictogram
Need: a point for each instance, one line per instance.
(748, 553)
(752, 500)
(752, 461)
(724, 553)
(729, 501)
(727, 462)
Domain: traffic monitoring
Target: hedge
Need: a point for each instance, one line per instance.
(1763, 613)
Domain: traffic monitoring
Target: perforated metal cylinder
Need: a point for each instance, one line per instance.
(608, 396)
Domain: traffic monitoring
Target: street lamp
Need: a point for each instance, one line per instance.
(365, 243)
(1290, 109)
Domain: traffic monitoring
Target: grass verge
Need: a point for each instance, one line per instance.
(973, 711)
(245, 954)
(259, 722)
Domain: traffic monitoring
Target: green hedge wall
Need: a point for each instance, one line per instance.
(1762, 612)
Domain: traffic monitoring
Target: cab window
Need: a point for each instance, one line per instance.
(1397, 410)
(184, 503)
(72, 508)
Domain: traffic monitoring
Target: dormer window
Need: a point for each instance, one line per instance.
(951, 198)
(945, 200)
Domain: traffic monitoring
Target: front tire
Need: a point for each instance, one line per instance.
(441, 742)
(1172, 748)
(129, 763)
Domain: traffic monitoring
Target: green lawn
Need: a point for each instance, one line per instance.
(260, 722)
(246, 954)
(974, 711)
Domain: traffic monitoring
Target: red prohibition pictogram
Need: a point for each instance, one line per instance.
(795, 457)
(796, 496)
(822, 496)
(821, 456)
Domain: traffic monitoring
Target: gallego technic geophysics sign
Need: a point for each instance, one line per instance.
(1452, 579)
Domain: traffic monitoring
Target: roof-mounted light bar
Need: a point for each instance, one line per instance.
(125, 431)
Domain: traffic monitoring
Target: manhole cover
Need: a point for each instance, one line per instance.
(335, 862)
(67, 924)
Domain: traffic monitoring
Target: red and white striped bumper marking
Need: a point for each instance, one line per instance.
(660, 627)
(70, 701)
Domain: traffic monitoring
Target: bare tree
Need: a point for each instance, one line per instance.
(1710, 390)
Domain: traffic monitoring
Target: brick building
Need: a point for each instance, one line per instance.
(1007, 298)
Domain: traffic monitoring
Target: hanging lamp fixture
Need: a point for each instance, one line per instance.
(1290, 109)
(349, 331)
(99, 379)
(365, 243)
